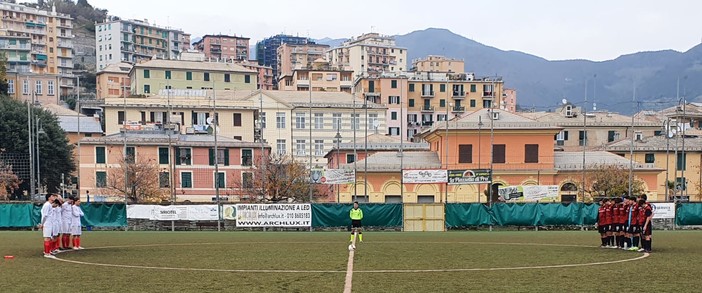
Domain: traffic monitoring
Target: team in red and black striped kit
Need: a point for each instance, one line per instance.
(624, 222)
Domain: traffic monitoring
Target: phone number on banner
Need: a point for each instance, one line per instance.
(273, 215)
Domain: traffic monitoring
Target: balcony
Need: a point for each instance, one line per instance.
(372, 94)
(427, 94)
(458, 109)
(459, 94)
(428, 109)
(64, 25)
(427, 123)
(64, 44)
(488, 95)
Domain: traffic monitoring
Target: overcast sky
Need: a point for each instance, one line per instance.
(555, 30)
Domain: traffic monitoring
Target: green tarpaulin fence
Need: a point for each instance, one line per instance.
(16, 215)
(467, 214)
(96, 215)
(688, 214)
(337, 215)
(520, 214)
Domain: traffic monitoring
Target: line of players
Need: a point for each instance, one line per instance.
(623, 222)
(60, 220)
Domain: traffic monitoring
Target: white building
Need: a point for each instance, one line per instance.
(369, 53)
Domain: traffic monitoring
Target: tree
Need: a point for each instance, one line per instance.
(9, 182)
(277, 178)
(143, 182)
(3, 74)
(55, 153)
(610, 181)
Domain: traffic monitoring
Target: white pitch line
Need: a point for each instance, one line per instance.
(349, 266)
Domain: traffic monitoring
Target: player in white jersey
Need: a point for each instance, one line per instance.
(56, 231)
(66, 218)
(76, 227)
(46, 224)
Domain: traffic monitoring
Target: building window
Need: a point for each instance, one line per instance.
(300, 147)
(442, 88)
(441, 117)
(561, 137)
(280, 120)
(25, 87)
(49, 84)
(472, 88)
(220, 180)
(442, 103)
(163, 179)
(393, 84)
(582, 138)
(120, 117)
(650, 158)
(100, 179)
(373, 121)
(11, 86)
(465, 153)
(498, 153)
(130, 157)
(37, 87)
(472, 103)
(262, 119)
(168, 74)
(186, 179)
(280, 146)
(393, 130)
(300, 120)
(611, 136)
(247, 157)
(411, 103)
(680, 183)
(247, 180)
(163, 155)
(393, 115)
(355, 121)
(319, 120)
(319, 147)
(221, 158)
(100, 155)
(336, 120)
(184, 156)
(350, 158)
(247, 78)
(411, 87)
(237, 119)
(147, 73)
(394, 100)
(207, 76)
(227, 77)
(531, 153)
(188, 75)
(147, 89)
(681, 162)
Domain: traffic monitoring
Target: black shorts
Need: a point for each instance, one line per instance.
(356, 224)
(602, 228)
(621, 227)
(647, 231)
(634, 229)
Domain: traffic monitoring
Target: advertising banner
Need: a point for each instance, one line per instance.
(529, 193)
(424, 176)
(173, 213)
(663, 210)
(337, 176)
(479, 176)
(273, 215)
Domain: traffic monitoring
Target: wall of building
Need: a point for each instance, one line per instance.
(157, 80)
(112, 85)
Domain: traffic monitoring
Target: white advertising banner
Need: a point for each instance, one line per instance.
(529, 193)
(174, 213)
(273, 215)
(663, 210)
(425, 176)
(338, 176)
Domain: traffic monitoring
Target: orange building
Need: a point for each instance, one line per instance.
(113, 81)
(522, 154)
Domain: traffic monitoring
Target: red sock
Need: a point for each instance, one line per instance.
(56, 243)
(75, 241)
(68, 241)
(78, 241)
(47, 246)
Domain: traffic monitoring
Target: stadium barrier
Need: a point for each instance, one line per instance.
(331, 215)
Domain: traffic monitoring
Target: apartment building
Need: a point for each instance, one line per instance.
(148, 77)
(291, 57)
(518, 150)
(37, 42)
(265, 73)
(133, 41)
(292, 126)
(435, 63)
(113, 81)
(190, 157)
(191, 112)
(223, 47)
(320, 76)
(267, 49)
(39, 88)
(369, 53)
(593, 130)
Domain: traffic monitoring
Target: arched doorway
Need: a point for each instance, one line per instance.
(569, 192)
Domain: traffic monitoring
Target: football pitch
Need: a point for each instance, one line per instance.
(544, 261)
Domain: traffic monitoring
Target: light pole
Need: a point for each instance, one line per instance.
(480, 153)
(337, 137)
(40, 130)
(631, 149)
(667, 159)
(446, 141)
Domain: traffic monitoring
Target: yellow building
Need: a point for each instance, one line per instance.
(146, 78)
(190, 112)
(113, 81)
(291, 57)
(433, 63)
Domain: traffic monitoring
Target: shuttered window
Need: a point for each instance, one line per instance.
(465, 153)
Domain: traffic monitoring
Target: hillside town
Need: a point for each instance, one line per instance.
(219, 117)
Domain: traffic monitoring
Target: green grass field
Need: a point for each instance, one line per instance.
(238, 262)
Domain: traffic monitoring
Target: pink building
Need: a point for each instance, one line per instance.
(509, 100)
(265, 73)
(224, 47)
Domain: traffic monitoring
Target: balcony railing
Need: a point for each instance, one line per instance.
(488, 94)
(458, 109)
(427, 94)
(459, 94)
(427, 108)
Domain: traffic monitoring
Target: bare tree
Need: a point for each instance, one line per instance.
(610, 181)
(143, 182)
(277, 178)
(9, 182)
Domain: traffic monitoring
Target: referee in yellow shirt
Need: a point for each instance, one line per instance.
(356, 215)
